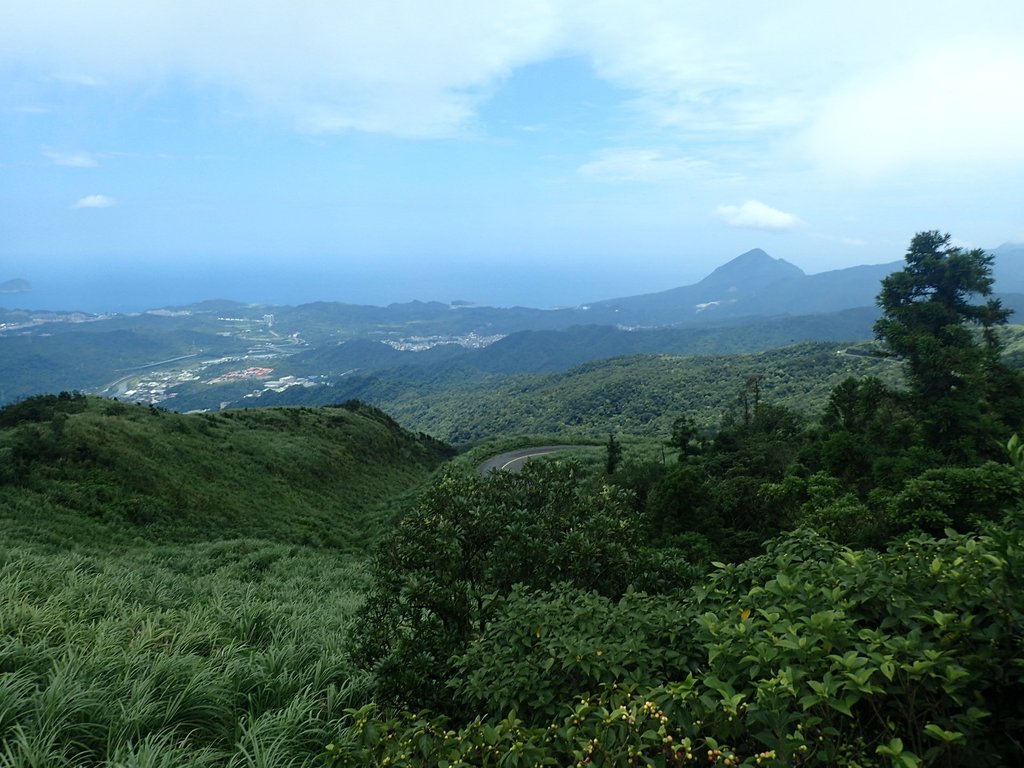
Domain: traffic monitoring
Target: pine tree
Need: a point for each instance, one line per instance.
(965, 396)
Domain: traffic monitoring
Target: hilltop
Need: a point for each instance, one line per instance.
(80, 469)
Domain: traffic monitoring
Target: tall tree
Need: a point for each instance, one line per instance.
(949, 342)
(613, 455)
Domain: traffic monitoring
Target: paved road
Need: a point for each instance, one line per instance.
(513, 461)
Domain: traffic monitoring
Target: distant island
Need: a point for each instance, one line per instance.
(16, 286)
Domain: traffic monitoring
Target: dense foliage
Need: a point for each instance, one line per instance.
(811, 654)
(445, 571)
(640, 395)
(958, 385)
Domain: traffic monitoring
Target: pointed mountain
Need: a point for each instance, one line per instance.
(751, 269)
(729, 286)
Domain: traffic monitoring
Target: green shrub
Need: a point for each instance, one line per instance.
(439, 578)
(811, 654)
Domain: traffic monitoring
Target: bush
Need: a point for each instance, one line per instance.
(439, 579)
(812, 654)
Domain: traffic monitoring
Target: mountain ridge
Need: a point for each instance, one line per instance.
(753, 284)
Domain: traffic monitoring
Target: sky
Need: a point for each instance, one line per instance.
(536, 152)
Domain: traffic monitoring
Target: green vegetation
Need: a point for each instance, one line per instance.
(221, 653)
(640, 395)
(899, 648)
(126, 472)
(176, 590)
(748, 577)
(812, 654)
(958, 384)
(466, 545)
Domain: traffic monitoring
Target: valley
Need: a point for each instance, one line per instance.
(217, 354)
(223, 354)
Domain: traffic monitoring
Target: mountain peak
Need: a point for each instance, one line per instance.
(754, 254)
(754, 266)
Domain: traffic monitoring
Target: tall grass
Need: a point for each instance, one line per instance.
(176, 590)
(226, 653)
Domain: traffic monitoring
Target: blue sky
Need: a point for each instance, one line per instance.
(494, 150)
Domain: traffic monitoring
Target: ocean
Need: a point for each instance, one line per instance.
(129, 287)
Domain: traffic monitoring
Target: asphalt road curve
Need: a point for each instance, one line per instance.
(513, 461)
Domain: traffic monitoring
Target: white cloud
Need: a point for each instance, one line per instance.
(947, 110)
(395, 66)
(756, 215)
(95, 201)
(72, 159)
(645, 165)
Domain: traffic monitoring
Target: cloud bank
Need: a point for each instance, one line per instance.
(951, 109)
(839, 86)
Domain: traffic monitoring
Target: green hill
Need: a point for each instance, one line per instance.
(77, 469)
(176, 589)
(639, 395)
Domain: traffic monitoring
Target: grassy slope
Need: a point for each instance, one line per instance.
(160, 600)
(223, 654)
(323, 477)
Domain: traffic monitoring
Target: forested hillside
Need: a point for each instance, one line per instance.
(639, 395)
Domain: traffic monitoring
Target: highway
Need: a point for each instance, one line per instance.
(513, 461)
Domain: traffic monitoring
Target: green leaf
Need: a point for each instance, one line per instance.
(843, 705)
(937, 732)
(894, 748)
(888, 669)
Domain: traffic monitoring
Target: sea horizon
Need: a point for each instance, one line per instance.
(114, 290)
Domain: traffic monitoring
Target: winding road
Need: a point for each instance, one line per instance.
(513, 461)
